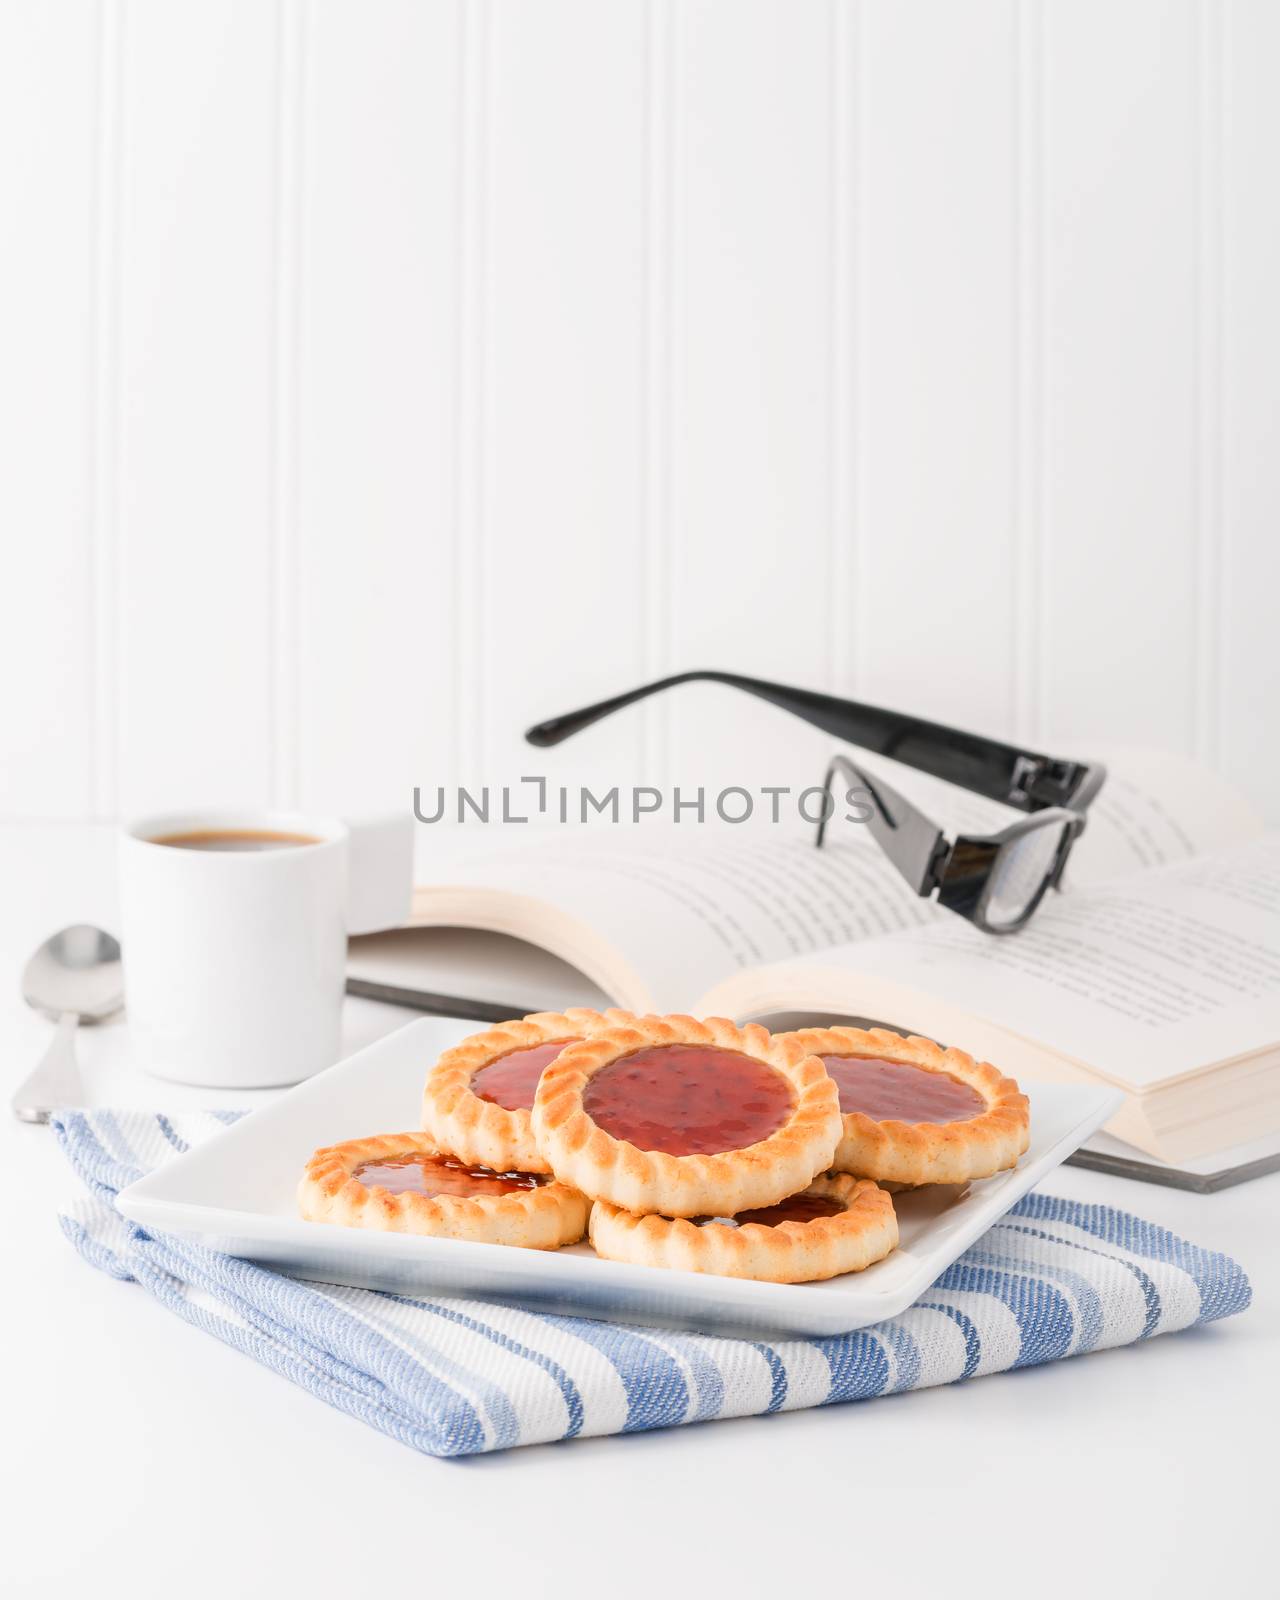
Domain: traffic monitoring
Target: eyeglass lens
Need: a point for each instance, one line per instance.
(1020, 871)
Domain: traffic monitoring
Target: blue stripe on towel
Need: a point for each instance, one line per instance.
(166, 1128)
(1224, 1288)
(777, 1377)
(859, 1366)
(568, 1388)
(906, 1355)
(707, 1380)
(972, 1343)
(1088, 1303)
(657, 1394)
(1045, 1320)
(1150, 1294)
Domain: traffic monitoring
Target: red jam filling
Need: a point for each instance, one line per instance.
(799, 1208)
(512, 1080)
(413, 1173)
(688, 1100)
(895, 1091)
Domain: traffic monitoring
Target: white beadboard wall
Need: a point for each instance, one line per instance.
(378, 376)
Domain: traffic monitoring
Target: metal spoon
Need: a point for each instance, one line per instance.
(73, 977)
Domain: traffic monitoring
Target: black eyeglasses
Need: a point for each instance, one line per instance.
(994, 880)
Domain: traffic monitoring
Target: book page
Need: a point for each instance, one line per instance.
(682, 911)
(471, 964)
(1144, 980)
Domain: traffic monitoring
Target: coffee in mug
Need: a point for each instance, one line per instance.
(235, 839)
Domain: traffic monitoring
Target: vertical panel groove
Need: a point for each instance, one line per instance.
(845, 531)
(105, 447)
(474, 291)
(284, 565)
(1028, 343)
(857, 608)
(462, 100)
(1207, 466)
(676, 403)
(656, 406)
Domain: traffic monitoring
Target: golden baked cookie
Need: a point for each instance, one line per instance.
(402, 1183)
(916, 1113)
(688, 1118)
(838, 1224)
(478, 1095)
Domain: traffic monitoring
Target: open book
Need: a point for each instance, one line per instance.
(1157, 970)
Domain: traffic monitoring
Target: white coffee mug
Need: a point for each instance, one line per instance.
(234, 958)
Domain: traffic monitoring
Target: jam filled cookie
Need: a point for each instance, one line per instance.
(838, 1224)
(687, 1118)
(478, 1095)
(916, 1113)
(401, 1183)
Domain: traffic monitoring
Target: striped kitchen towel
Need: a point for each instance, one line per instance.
(453, 1377)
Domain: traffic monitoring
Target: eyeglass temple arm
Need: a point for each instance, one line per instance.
(1020, 778)
(912, 841)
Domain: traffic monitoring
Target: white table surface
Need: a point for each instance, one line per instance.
(139, 1453)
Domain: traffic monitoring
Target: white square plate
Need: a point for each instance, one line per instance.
(236, 1194)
